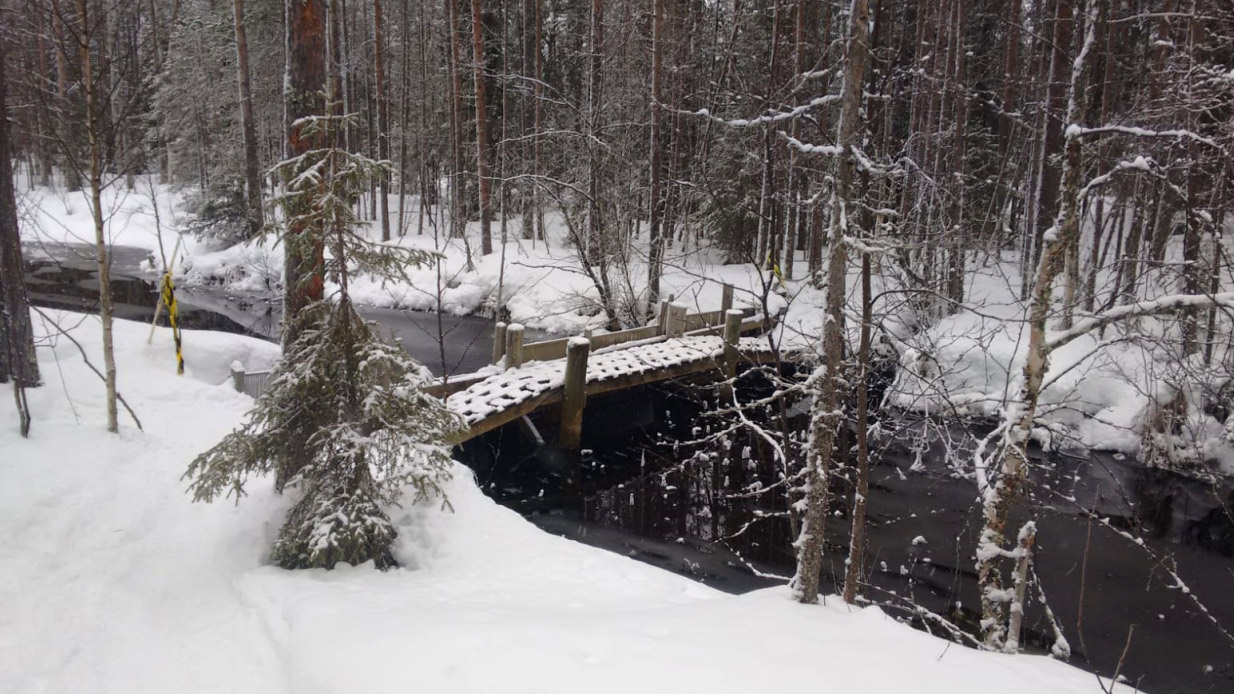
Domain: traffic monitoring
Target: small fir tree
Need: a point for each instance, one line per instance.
(345, 421)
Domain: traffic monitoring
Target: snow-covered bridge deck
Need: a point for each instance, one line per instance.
(491, 400)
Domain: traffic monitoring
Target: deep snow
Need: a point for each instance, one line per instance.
(112, 581)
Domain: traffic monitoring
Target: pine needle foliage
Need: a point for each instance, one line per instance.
(345, 422)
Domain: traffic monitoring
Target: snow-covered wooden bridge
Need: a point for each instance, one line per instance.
(526, 377)
(568, 371)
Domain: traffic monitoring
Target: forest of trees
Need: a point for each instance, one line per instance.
(1088, 141)
(676, 122)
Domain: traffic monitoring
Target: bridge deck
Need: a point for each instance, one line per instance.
(504, 396)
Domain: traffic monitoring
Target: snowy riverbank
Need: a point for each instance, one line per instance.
(114, 581)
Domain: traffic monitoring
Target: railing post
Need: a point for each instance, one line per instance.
(575, 396)
(237, 376)
(676, 324)
(732, 335)
(499, 341)
(514, 345)
(726, 299)
(663, 321)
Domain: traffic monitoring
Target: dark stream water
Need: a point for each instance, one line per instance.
(650, 489)
(65, 276)
(657, 484)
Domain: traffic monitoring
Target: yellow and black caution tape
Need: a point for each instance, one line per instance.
(775, 269)
(168, 290)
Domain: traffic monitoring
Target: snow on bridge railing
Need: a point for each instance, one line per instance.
(252, 383)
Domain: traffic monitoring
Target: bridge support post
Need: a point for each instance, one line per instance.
(514, 345)
(726, 299)
(575, 396)
(732, 334)
(499, 341)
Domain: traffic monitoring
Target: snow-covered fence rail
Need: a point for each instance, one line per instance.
(508, 345)
(252, 383)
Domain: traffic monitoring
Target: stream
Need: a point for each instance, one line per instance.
(659, 484)
(65, 276)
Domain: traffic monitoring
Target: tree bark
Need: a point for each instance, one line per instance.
(252, 169)
(306, 81)
(655, 212)
(383, 118)
(95, 144)
(17, 358)
(825, 416)
(482, 163)
(1002, 492)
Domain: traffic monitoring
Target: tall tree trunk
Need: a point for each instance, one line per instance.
(483, 172)
(93, 137)
(1002, 491)
(306, 81)
(595, 228)
(458, 212)
(824, 416)
(383, 118)
(252, 169)
(1056, 96)
(17, 358)
(655, 212)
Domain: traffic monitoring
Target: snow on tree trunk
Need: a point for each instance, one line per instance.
(1003, 491)
(825, 415)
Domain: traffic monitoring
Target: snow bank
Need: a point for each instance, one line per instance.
(1098, 386)
(112, 581)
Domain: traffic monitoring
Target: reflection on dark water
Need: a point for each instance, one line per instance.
(696, 508)
(64, 276)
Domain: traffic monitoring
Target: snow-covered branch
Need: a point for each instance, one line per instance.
(761, 120)
(1164, 304)
(1074, 130)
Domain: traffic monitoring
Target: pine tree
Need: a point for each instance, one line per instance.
(345, 422)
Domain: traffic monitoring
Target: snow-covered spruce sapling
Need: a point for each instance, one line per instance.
(345, 422)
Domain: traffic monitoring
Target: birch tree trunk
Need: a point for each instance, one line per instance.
(1003, 490)
(93, 139)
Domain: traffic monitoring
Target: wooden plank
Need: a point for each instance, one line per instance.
(650, 376)
(445, 390)
(509, 415)
(622, 336)
(545, 351)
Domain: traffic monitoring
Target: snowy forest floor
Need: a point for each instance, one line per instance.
(114, 582)
(965, 364)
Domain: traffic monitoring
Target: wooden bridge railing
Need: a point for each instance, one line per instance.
(509, 348)
(672, 321)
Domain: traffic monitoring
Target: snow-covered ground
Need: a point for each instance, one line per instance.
(542, 286)
(112, 581)
(967, 363)
(1098, 386)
